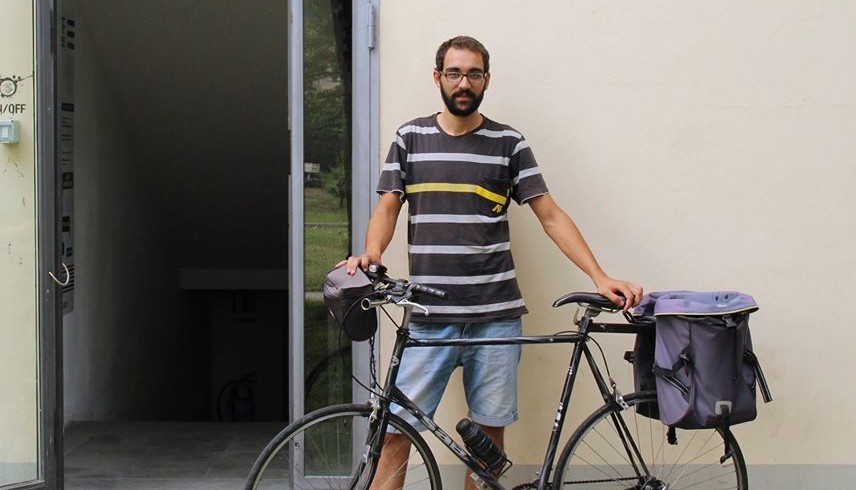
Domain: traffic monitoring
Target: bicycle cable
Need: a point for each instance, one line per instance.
(373, 384)
(372, 360)
(619, 398)
(603, 356)
(372, 368)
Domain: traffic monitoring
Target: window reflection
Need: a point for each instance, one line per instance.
(327, 197)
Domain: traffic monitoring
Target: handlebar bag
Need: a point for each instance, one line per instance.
(342, 295)
(706, 372)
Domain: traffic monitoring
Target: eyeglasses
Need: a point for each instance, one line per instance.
(472, 77)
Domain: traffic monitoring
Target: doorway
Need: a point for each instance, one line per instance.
(177, 344)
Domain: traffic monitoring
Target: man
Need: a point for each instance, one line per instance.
(458, 170)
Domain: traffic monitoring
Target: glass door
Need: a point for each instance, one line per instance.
(326, 193)
(322, 208)
(332, 113)
(28, 309)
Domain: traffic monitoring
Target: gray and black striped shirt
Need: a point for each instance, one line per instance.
(458, 189)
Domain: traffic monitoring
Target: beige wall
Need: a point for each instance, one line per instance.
(700, 145)
(18, 294)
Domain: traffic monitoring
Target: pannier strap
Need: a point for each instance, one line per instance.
(725, 427)
(752, 359)
(669, 375)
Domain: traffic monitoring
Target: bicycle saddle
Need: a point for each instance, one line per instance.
(591, 299)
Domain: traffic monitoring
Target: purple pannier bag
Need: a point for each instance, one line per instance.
(705, 370)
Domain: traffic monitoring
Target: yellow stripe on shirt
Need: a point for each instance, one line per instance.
(447, 187)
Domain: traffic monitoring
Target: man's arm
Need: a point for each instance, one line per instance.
(379, 233)
(565, 234)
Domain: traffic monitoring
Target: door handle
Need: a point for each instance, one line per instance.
(67, 280)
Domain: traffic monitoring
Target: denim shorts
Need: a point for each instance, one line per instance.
(490, 371)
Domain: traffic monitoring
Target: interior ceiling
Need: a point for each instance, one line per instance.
(202, 86)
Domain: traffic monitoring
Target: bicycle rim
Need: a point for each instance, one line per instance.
(601, 456)
(326, 449)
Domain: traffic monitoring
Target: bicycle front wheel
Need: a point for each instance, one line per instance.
(624, 449)
(328, 449)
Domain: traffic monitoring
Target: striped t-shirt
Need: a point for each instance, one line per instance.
(458, 189)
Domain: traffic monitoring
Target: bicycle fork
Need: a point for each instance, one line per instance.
(364, 473)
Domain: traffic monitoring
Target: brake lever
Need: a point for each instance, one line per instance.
(406, 302)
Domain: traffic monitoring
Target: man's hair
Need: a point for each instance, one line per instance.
(462, 42)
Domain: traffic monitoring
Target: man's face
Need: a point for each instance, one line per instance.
(462, 97)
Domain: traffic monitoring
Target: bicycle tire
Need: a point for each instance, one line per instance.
(595, 457)
(319, 450)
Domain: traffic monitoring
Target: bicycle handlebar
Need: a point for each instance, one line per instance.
(401, 288)
(428, 290)
(377, 274)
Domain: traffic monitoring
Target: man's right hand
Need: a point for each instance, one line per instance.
(358, 261)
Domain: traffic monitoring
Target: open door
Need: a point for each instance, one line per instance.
(31, 425)
(332, 120)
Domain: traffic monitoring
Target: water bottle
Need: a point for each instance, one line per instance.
(481, 446)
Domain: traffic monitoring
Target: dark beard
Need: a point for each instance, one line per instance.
(472, 106)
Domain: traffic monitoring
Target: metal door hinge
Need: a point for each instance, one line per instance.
(371, 25)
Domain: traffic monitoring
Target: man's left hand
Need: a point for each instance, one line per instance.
(623, 293)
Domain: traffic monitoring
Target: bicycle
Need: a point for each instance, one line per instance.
(620, 445)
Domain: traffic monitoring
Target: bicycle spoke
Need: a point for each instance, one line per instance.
(600, 454)
(404, 468)
(320, 451)
(598, 469)
(697, 457)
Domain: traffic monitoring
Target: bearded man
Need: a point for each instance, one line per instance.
(459, 171)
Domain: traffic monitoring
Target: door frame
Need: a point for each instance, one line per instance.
(296, 291)
(48, 215)
(365, 147)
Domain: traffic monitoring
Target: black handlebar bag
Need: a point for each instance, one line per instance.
(342, 295)
(705, 370)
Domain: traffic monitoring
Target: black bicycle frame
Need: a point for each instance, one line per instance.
(392, 394)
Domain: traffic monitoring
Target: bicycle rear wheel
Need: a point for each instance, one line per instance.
(600, 454)
(326, 449)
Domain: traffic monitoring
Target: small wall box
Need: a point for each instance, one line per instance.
(9, 133)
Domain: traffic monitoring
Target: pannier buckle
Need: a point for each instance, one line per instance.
(720, 405)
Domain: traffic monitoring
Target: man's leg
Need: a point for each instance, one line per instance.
(423, 375)
(490, 379)
(392, 467)
(498, 436)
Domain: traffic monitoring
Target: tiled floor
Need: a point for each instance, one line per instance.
(148, 456)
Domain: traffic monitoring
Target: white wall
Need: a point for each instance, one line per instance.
(701, 145)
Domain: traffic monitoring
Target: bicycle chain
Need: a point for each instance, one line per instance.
(602, 480)
(524, 486)
(533, 485)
